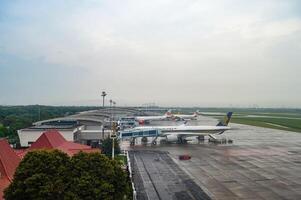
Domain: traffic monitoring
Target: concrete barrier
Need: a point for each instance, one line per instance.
(131, 176)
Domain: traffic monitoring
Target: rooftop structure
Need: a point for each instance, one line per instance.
(54, 140)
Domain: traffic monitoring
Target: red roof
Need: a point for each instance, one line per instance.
(9, 161)
(54, 140)
(4, 183)
(49, 139)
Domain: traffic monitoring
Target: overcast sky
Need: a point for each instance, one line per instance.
(170, 52)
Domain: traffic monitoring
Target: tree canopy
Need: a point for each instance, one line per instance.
(45, 174)
(106, 146)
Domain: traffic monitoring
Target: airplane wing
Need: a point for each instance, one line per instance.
(183, 134)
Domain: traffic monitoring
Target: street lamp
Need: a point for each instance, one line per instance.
(111, 117)
(103, 94)
(111, 103)
(114, 103)
(113, 136)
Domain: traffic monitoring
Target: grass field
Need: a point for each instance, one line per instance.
(275, 123)
(122, 159)
(289, 121)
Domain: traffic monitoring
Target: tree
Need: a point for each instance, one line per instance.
(3, 131)
(41, 175)
(46, 174)
(106, 146)
(14, 118)
(98, 177)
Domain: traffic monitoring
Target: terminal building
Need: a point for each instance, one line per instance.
(88, 127)
(67, 128)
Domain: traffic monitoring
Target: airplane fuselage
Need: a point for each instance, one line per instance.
(146, 118)
(187, 130)
(189, 117)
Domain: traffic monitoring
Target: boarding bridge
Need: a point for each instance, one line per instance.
(132, 134)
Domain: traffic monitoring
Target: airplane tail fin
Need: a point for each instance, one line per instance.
(168, 113)
(226, 120)
(197, 112)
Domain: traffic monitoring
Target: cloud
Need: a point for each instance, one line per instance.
(214, 52)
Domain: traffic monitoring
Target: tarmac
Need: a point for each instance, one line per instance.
(260, 164)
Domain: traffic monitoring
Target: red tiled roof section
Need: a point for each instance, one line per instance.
(4, 183)
(49, 139)
(54, 140)
(9, 160)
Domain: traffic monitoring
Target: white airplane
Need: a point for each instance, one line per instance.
(145, 119)
(179, 133)
(185, 117)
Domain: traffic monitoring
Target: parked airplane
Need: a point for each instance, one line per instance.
(185, 117)
(179, 133)
(146, 119)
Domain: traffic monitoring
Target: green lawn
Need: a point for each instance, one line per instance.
(289, 121)
(121, 158)
(275, 123)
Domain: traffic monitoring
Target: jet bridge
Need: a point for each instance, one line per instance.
(133, 134)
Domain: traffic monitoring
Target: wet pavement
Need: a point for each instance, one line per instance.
(157, 176)
(260, 164)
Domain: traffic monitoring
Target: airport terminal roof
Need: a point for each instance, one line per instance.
(50, 127)
(97, 116)
(97, 119)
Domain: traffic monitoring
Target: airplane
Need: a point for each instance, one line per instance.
(180, 132)
(146, 119)
(185, 117)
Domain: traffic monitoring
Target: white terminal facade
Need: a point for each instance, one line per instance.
(87, 127)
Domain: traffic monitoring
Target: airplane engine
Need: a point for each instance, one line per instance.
(172, 138)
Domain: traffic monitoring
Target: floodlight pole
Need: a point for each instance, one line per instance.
(111, 117)
(113, 150)
(112, 130)
(113, 135)
(103, 94)
(114, 104)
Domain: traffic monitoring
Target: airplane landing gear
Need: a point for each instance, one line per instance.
(154, 142)
(133, 140)
(144, 140)
(181, 140)
(201, 138)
